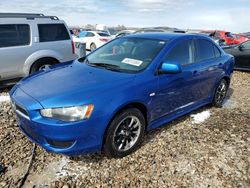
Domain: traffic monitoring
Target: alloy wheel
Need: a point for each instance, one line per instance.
(221, 93)
(44, 67)
(127, 133)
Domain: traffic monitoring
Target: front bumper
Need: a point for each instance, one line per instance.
(74, 138)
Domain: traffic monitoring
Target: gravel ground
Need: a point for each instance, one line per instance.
(208, 148)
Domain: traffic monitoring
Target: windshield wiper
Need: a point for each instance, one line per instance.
(107, 66)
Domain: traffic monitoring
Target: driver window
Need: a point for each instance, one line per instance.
(182, 53)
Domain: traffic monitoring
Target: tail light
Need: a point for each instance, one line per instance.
(103, 40)
(73, 47)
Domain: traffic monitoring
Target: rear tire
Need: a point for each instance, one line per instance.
(220, 93)
(42, 64)
(125, 133)
(92, 47)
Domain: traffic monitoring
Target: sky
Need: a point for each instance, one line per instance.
(230, 15)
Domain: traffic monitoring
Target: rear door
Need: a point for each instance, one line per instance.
(243, 55)
(55, 36)
(15, 47)
(208, 56)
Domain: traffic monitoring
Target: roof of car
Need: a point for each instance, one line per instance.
(162, 36)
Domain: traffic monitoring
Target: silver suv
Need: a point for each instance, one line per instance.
(31, 42)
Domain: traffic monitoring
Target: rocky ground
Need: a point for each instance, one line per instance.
(208, 148)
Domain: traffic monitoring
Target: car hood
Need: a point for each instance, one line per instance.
(72, 84)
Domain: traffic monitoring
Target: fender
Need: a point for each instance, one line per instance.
(38, 55)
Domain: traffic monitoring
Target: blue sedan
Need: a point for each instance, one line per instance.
(107, 100)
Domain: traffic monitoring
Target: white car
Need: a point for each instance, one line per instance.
(31, 42)
(93, 39)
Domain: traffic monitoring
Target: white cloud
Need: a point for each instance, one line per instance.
(154, 5)
(212, 14)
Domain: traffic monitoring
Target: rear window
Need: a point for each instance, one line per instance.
(103, 34)
(14, 35)
(205, 50)
(217, 52)
(52, 32)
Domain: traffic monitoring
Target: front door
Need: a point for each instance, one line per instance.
(177, 91)
(243, 55)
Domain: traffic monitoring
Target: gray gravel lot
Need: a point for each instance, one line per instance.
(213, 152)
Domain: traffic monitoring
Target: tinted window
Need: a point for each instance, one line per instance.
(182, 53)
(89, 34)
(247, 45)
(82, 34)
(205, 50)
(52, 32)
(103, 34)
(228, 34)
(217, 52)
(14, 35)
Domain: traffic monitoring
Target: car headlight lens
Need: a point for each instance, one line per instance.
(70, 114)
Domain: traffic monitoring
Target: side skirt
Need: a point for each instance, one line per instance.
(176, 114)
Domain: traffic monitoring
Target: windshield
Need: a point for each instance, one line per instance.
(126, 54)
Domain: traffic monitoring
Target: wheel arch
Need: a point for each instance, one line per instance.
(34, 63)
(227, 78)
(140, 106)
(39, 55)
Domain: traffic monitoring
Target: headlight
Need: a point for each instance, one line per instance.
(71, 114)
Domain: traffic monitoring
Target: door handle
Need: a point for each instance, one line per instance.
(220, 64)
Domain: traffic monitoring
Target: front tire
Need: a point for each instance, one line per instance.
(220, 93)
(125, 133)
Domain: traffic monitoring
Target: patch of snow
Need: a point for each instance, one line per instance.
(4, 98)
(200, 117)
(53, 171)
(229, 104)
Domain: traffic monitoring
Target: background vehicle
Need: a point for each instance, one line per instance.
(238, 38)
(31, 42)
(228, 37)
(149, 30)
(124, 33)
(160, 29)
(241, 52)
(247, 34)
(93, 39)
(132, 84)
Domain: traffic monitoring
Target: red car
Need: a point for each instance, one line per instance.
(228, 37)
(239, 38)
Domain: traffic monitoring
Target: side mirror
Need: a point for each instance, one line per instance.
(240, 47)
(170, 68)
